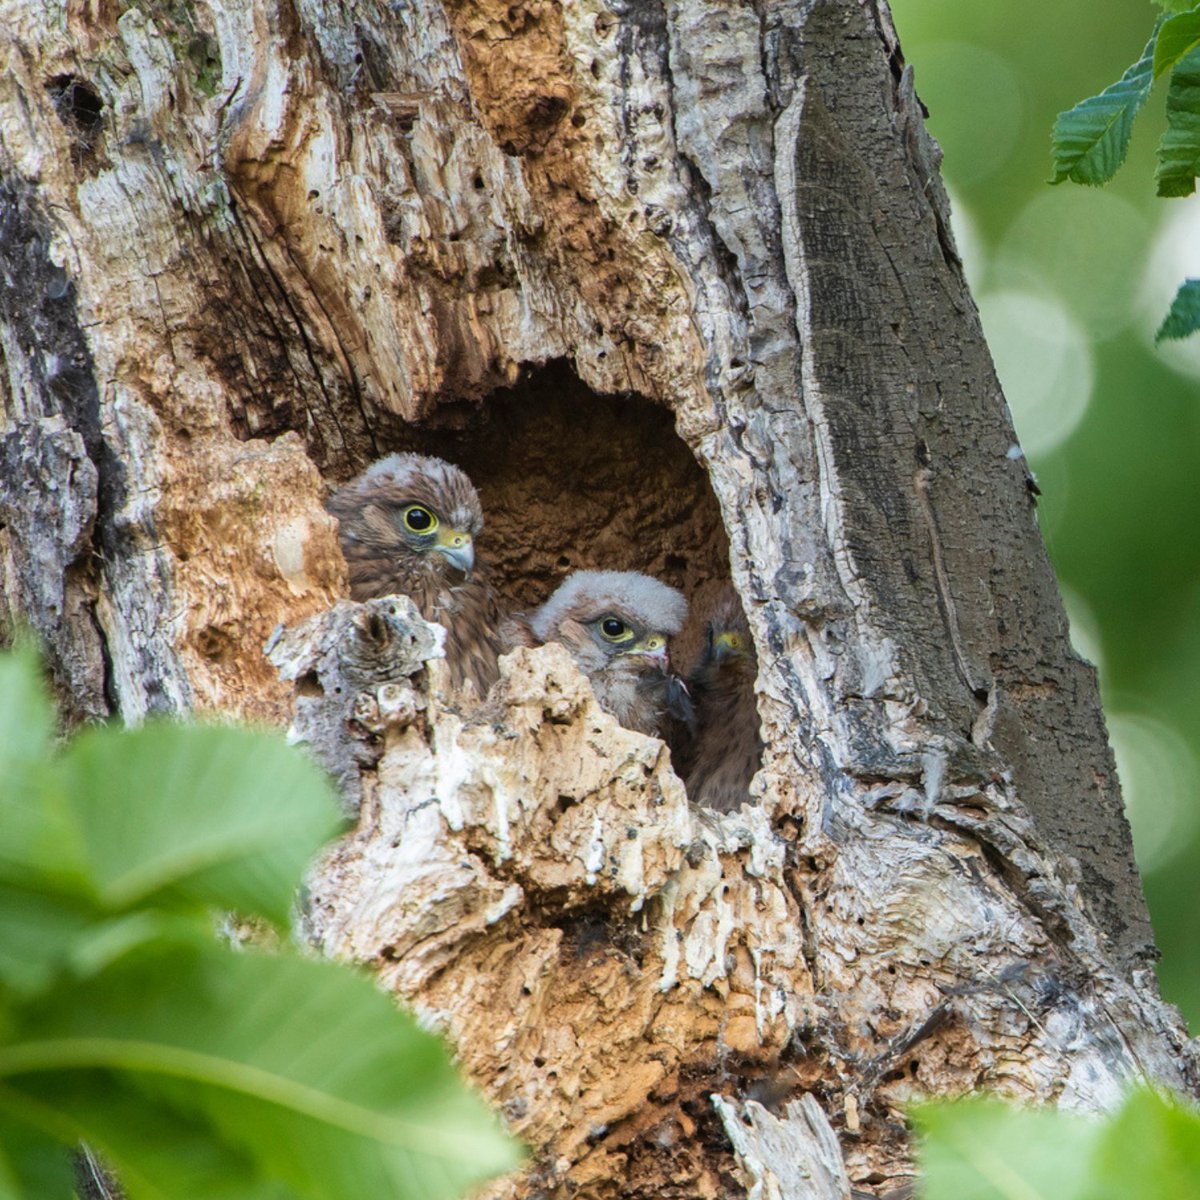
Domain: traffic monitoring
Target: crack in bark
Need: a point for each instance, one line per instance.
(980, 691)
(283, 297)
(61, 521)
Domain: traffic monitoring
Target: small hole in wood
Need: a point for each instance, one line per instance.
(77, 103)
(309, 685)
(80, 109)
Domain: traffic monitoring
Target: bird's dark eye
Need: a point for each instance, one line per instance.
(419, 519)
(615, 630)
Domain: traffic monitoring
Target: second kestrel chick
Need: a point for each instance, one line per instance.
(725, 749)
(616, 625)
(408, 524)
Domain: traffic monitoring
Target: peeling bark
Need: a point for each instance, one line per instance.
(796, 1157)
(674, 283)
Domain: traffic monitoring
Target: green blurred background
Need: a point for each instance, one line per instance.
(1071, 283)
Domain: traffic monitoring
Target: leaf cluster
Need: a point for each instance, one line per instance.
(1090, 141)
(193, 1067)
(982, 1149)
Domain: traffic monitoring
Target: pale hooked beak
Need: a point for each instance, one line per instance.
(458, 549)
(655, 649)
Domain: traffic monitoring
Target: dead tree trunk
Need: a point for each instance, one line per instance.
(673, 282)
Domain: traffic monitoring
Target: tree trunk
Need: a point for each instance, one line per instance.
(673, 282)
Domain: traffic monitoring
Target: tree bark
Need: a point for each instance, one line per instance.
(674, 283)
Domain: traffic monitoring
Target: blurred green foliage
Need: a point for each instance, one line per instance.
(197, 1069)
(1090, 141)
(1072, 285)
(980, 1149)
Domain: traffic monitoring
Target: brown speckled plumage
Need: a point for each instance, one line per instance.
(724, 750)
(631, 685)
(384, 558)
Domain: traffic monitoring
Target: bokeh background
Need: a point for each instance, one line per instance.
(1071, 284)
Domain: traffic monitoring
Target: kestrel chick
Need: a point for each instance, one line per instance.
(725, 749)
(616, 625)
(408, 524)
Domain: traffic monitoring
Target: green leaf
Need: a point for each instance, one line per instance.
(1152, 1148)
(197, 1070)
(220, 816)
(32, 1166)
(45, 936)
(1177, 37)
(1089, 142)
(26, 718)
(1175, 6)
(157, 1154)
(981, 1149)
(37, 932)
(303, 1067)
(1184, 315)
(26, 732)
(1179, 147)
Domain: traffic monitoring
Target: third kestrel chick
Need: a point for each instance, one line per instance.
(725, 749)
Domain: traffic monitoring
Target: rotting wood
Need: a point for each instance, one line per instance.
(798, 1157)
(248, 247)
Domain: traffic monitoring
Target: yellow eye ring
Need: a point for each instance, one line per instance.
(733, 643)
(418, 519)
(613, 629)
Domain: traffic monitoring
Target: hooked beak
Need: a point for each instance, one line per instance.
(653, 648)
(726, 645)
(457, 548)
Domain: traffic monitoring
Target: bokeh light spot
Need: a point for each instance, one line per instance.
(1085, 629)
(967, 241)
(1174, 257)
(1044, 362)
(1086, 244)
(1159, 781)
(976, 105)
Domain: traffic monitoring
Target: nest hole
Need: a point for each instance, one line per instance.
(79, 107)
(571, 480)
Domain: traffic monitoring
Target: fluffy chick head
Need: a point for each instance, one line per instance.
(604, 616)
(412, 509)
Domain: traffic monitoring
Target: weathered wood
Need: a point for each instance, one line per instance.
(798, 1158)
(674, 283)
